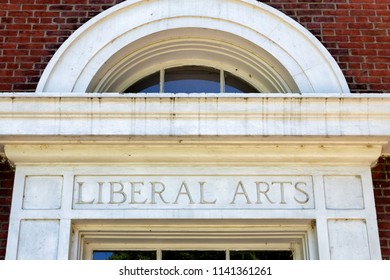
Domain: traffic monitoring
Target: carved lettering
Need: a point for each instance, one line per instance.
(100, 198)
(264, 191)
(240, 185)
(118, 192)
(135, 191)
(212, 192)
(282, 186)
(80, 197)
(298, 186)
(202, 198)
(159, 193)
(186, 192)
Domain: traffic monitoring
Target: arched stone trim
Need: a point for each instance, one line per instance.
(251, 39)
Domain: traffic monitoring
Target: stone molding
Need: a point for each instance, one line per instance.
(106, 42)
(179, 128)
(83, 114)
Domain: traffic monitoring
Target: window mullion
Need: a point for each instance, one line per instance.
(159, 254)
(162, 80)
(222, 81)
(227, 254)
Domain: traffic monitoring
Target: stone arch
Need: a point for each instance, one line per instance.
(250, 39)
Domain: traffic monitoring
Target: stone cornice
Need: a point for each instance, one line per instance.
(194, 115)
(194, 154)
(211, 129)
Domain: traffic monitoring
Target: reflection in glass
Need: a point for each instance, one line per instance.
(191, 79)
(234, 84)
(193, 255)
(261, 255)
(124, 255)
(149, 84)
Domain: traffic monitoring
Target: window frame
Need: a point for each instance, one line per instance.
(297, 236)
(223, 75)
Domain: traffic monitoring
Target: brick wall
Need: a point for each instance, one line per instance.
(356, 32)
(381, 177)
(6, 184)
(32, 30)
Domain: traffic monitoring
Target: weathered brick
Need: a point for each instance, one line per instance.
(382, 200)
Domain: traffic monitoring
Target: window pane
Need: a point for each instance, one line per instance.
(261, 255)
(149, 84)
(124, 255)
(233, 84)
(192, 79)
(193, 255)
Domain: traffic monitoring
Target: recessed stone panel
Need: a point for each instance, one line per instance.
(42, 192)
(38, 240)
(343, 192)
(195, 192)
(348, 240)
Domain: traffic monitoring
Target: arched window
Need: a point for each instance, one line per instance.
(191, 79)
(248, 40)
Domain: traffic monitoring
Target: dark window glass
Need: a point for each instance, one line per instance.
(192, 79)
(261, 255)
(149, 84)
(193, 255)
(234, 84)
(124, 255)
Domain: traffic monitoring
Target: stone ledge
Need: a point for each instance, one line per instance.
(219, 153)
(254, 120)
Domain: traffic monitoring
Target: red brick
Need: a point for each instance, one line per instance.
(380, 210)
(385, 234)
(17, 14)
(365, 39)
(41, 14)
(368, 80)
(379, 73)
(23, 1)
(384, 225)
(27, 7)
(61, 7)
(24, 87)
(336, 38)
(346, 32)
(383, 39)
(5, 201)
(345, 19)
(383, 216)
(380, 87)
(360, 1)
(5, 87)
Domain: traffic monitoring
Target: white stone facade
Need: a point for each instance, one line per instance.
(282, 171)
(172, 158)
